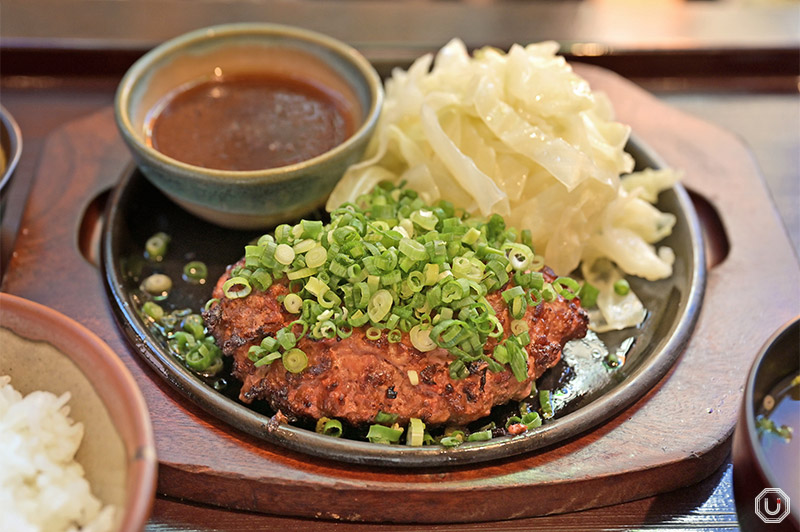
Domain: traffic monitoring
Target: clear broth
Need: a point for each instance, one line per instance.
(782, 453)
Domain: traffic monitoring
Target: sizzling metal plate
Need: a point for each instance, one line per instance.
(586, 391)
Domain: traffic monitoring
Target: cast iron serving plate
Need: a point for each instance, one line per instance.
(586, 391)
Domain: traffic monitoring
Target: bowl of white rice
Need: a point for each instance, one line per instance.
(76, 444)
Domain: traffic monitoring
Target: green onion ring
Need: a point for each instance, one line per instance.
(236, 287)
(294, 360)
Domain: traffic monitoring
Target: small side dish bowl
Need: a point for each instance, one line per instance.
(213, 60)
(44, 350)
(766, 442)
(10, 152)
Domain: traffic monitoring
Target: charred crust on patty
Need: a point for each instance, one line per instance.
(352, 378)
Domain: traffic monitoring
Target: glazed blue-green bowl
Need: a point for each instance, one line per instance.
(247, 199)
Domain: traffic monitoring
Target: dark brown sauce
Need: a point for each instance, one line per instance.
(249, 123)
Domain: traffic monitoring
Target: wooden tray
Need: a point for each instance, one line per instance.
(674, 436)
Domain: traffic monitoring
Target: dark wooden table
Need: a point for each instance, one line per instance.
(737, 67)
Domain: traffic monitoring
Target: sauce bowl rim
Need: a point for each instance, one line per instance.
(280, 173)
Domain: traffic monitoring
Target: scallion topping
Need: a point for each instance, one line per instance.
(383, 434)
(236, 287)
(186, 338)
(483, 435)
(622, 287)
(545, 403)
(385, 418)
(329, 427)
(292, 303)
(195, 272)
(157, 284)
(397, 266)
(294, 360)
(588, 294)
(153, 310)
(155, 248)
(416, 432)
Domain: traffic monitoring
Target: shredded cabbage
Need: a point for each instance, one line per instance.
(522, 135)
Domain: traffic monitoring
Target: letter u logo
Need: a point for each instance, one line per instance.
(766, 507)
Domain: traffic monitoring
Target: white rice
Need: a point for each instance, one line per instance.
(42, 487)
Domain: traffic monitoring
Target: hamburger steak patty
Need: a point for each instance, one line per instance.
(352, 379)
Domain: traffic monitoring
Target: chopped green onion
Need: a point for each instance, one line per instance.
(184, 342)
(200, 358)
(513, 293)
(302, 273)
(382, 434)
(519, 326)
(293, 303)
(260, 279)
(294, 360)
(588, 294)
(566, 287)
(520, 256)
(156, 246)
(518, 362)
(316, 287)
(421, 338)
(394, 336)
(545, 403)
(483, 435)
(471, 236)
(453, 439)
(153, 310)
(457, 370)
(268, 359)
(379, 305)
(412, 249)
(284, 254)
(385, 418)
(416, 432)
(236, 287)
(269, 344)
(425, 219)
(316, 257)
(391, 264)
(501, 354)
(304, 245)
(329, 427)
(286, 338)
(622, 287)
(157, 284)
(194, 324)
(195, 272)
(311, 228)
(548, 293)
(531, 420)
(283, 232)
(186, 338)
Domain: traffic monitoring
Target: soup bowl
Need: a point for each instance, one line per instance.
(164, 120)
(766, 440)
